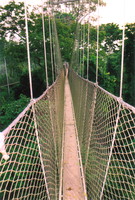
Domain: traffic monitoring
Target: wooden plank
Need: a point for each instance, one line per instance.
(72, 180)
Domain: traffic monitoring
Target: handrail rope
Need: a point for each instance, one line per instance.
(122, 53)
(15, 121)
(28, 51)
(118, 99)
(44, 42)
(97, 59)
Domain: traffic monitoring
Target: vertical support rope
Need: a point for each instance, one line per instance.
(111, 151)
(51, 42)
(28, 52)
(122, 55)
(44, 41)
(53, 47)
(88, 50)
(31, 93)
(80, 49)
(52, 63)
(83, 49)
(97, 45)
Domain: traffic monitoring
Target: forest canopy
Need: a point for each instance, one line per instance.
(13, 55)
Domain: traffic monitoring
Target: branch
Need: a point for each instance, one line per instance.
(67, 1)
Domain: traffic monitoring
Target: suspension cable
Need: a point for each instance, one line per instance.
(53, 43)
(51, 49)
(54, 48)
(97, 60)
(122, 54)
(83, 49)
(80, 48)
(88, 47)
(28, 51)
(44, 41)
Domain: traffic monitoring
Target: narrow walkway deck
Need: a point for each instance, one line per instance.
(72, 182)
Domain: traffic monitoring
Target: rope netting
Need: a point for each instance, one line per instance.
(106, 130)
(33, 143)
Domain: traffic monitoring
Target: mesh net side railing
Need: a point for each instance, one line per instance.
(106, 131)
(22, 175)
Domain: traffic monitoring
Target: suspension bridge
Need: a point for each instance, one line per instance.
(75, 142)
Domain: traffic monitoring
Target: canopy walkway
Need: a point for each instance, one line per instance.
(73, 187)
(50, 161)
(75, 142)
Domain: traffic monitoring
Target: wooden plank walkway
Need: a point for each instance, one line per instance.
(72, 181)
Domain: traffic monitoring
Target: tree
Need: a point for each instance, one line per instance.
(129, 75)
(66, 27)
(12, 20)
(112, 36)
(9, 110)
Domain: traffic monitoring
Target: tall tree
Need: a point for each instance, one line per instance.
(12, 20)
(129, 75)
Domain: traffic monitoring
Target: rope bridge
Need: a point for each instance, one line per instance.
(106, 131)
(105, 127)
(74, 142)
(33, 142)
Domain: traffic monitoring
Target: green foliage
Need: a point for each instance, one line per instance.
(10, 110)
(110, 36)
(129, 75)
(66, 31)
(37, 82)
(16, 54)
(12, 20)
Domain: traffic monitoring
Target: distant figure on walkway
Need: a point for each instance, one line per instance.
(66, 66)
